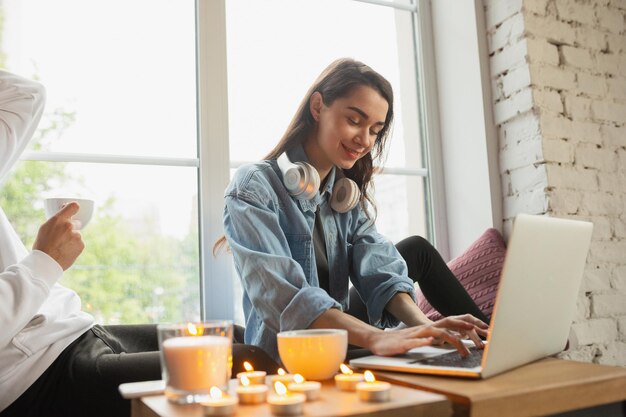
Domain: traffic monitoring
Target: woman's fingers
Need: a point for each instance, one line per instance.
(445, 335)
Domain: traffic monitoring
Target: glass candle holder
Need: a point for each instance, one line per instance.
(194, 358)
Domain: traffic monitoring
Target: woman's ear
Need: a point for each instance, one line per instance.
(315, 105)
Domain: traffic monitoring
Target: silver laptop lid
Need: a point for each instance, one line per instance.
(538, 290)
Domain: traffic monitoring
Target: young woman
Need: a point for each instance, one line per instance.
(297, 239)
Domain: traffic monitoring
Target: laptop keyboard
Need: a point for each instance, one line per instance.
(454, 359)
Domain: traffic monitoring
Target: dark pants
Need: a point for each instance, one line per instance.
(439, 285)
(84, 379)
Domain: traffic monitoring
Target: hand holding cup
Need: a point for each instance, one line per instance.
(59, 238)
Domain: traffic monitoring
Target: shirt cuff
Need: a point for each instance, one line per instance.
(303, 309)
(43, 267)
(380, 317)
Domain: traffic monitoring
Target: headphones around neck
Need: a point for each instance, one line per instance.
(302, 181)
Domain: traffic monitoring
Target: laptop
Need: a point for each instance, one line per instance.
(534, 307)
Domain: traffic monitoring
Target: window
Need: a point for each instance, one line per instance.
(137, 93)
(119, 127)
(273, 60)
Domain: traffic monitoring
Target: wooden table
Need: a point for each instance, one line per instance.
(405, 402)
(541, 388)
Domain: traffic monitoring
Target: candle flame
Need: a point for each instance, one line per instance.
(195, 329)
(281, 372)
(299, 379)
(369, 376)
(192, 329)
(248, 367)
(216, 393)
(280, 388)
(345, 370)
(245, 381)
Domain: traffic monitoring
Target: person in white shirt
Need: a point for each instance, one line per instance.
(54, 359)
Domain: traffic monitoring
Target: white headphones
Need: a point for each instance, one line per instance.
(302, 181)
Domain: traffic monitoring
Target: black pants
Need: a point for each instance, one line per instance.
(84, 379)
(439, 285)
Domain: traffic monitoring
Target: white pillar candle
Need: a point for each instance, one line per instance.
(197, 363)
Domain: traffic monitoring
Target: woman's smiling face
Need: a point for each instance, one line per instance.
(347, 129)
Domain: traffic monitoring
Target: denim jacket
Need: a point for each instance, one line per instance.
(270, 235)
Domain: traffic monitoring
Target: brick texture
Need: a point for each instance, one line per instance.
(558, 68)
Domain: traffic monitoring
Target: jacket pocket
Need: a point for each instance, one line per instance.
(301, 249)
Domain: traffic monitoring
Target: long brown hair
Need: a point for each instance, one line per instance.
(336, 81)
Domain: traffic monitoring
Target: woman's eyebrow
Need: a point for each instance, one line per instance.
(363, 114)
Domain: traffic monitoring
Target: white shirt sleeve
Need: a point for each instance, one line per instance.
(25, 279)
(21, 106)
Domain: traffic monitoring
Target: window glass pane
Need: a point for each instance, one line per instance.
(140, 263)
(123, 71)
(266, 84)
(400, 205)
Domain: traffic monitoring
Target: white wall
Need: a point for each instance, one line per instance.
(558, 68)
(468, 134)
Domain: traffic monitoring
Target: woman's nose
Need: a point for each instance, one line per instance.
(363, 138)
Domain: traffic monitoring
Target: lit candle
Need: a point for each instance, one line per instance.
(219, 404)
(311, 389)
(372, 390)
(197, 363)
(281, 376)
(251, 394)
(255, 377)
(347, 379)
(283, 404)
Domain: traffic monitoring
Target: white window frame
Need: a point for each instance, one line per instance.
(217, 278)
(213, 162)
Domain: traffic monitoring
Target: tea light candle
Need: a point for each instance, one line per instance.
(219, 404)
(283, 404)
(197, 363)
(372, 390)
(347, 379)
(251, 394)
(311, 389)
(281, 376)
(255, 377)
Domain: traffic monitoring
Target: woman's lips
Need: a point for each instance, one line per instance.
(351, 153)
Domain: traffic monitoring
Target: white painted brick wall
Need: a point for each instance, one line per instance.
(554, 77)
(592, 85)
(587, 132)
(617, 86)
(618, 279)
(541, 51)
(612, 353)
(577, 57)
(593, 156)
(570, 10)
(597, 279)
(548, 100)
(621, 324)
(595, 331)
(565, 201)
(577, 107)
(559, 74)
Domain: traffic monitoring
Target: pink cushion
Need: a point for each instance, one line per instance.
(478, 269)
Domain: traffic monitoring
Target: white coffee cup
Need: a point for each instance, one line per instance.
(53, 205)
(313, 353)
